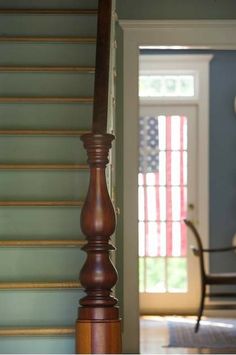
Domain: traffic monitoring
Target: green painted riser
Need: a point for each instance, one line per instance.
(56, 308)
(46, 116)
(42, 345)
(40, 264)
(64, 185)
(40, 222)
(42, 149)
(48, 25)
(88, 4)
(45, 84)
(47, 54)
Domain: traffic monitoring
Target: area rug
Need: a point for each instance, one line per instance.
(213, 333)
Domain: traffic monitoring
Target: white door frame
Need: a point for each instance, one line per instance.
(164, 34)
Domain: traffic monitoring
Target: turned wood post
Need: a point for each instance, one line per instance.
(98, 325)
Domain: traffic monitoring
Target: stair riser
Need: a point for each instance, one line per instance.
(38, 308)
(49, 4)
(47, 54)
(46, 116)
(41, 149)
(47, 345)
(40, 222)
(46, 84)
(47, 25)
(58, 185)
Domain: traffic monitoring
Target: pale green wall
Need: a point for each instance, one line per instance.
(176, 9)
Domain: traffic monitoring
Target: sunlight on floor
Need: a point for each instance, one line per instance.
(154, 337)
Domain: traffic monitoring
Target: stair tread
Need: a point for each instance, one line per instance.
(46, 99)
(69, 39)
(40, 285)
(36, 331)
(50, 132)
(42, 243)
(62, 203)
(79, 69)
(43, 166)
(49, 11)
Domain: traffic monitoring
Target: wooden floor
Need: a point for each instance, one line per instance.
(154, 338)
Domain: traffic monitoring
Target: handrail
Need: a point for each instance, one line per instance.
(101, 87)
(98, 328)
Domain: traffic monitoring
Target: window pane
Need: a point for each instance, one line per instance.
(155, 275)
(177, 274)
(152, 239)
(141, 204)
(171, 86)
(141, 275)
(141, 237)
(166, 85)
(187, 85)
(150, 85)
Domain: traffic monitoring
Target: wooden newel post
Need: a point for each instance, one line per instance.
(98, 325)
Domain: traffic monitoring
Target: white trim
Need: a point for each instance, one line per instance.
(176, 34)
(194, 34)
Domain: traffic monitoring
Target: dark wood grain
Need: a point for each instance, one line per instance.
(98, 313)
(102, 67)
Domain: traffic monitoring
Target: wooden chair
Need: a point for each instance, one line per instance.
(207, 278)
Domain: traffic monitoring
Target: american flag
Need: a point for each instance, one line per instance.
(162, 185)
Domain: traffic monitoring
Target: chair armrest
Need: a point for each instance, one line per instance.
(195, 250)
(216, 250)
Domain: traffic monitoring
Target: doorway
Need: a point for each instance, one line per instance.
(161, 35)
(167, 195)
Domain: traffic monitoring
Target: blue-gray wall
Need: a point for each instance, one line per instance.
(222, 157)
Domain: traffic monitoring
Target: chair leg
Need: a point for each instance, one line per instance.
(201, 307)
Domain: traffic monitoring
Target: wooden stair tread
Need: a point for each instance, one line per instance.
(43, 243)
(50, 69)
(36, 331)
(47, 39)
(39, 285)
(63, 203)
(38, 132)
(48, 11)
(43, 99)
(43, 167)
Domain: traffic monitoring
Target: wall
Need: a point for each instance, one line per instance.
(222, 161)
(222, 200)
(176, 9)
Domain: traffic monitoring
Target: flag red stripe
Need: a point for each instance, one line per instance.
(168, 189)
(157, 193)
(146, 214)
(182, 192)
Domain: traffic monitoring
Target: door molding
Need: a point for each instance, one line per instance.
(177, 34)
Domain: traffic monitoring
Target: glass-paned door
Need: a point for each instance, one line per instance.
(166, 191)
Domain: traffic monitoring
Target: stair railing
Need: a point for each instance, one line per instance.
(98, 327)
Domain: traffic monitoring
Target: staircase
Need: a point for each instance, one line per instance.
(47, 59)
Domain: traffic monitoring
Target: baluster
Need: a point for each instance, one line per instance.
(98, 325)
